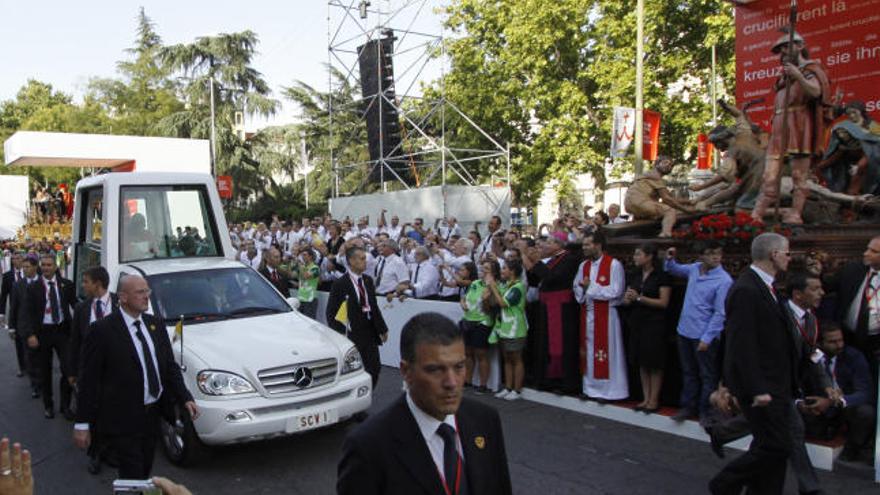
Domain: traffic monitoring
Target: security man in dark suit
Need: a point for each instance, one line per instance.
(30, 266)
(99, 303)
(760, 368)
(127, 380)
(45, 323)
(366, 327)
(278, 278)
(854, 397)
(430, 441)
(858, 307)
(6, 286)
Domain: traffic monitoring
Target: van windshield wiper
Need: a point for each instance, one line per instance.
(250, 310)
(198, 316)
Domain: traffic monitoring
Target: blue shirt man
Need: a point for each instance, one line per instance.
(699, 326)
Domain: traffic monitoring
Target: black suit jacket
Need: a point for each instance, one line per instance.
(387, 454)
(283, 283)
(846, 285)
(34, 305)
(363, 330)
(6, 289)
(111, 382)
(79, 330)
(760, 352)
(16, 304)
(854, 377)
(813, 379)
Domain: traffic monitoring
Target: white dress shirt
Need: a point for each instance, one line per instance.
(852, 316)
(766, 278)
(132, 331)
(47, 310)
(106, 306)
(393, 232)
(428, 427)
(253, 263)
(425, 279)
(394, 271)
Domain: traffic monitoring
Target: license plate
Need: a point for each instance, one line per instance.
(313, 420)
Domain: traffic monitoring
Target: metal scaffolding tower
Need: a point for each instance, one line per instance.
(424, 151)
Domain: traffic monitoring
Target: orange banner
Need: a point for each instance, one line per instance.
(651, 139)
(704, 152)
(224, 186)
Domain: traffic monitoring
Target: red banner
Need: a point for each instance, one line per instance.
(224, 186)
(841, 34)
(651, 139)
(704, 152)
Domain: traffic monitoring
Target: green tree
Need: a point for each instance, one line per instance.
(225, 60)
(145, 94)
(346, 136)
(545, 75)
(39, 107)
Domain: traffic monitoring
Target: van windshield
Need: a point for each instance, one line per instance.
(207, 295)
(166, 222)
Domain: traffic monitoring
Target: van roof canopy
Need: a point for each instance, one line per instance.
(153, 154)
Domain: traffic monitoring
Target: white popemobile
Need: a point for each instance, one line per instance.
(257, 367)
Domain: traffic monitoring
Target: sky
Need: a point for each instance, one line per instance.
(67, 43)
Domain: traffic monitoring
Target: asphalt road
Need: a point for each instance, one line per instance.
(551, 451)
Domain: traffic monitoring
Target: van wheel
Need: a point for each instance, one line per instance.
(180, 441)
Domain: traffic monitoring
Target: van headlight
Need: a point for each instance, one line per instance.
(222, 383)
(352, 361)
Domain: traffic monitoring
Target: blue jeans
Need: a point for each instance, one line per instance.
(699, 372)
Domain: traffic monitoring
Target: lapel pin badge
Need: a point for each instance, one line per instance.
(480, 442)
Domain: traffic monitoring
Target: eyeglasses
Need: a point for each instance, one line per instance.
(785, 253)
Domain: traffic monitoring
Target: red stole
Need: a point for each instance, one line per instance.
(600, 323)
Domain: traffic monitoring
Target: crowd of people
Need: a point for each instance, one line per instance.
(564, 314)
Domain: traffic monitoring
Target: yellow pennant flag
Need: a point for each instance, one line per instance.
(342, 313)
(178, 330)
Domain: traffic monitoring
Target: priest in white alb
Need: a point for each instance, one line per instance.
(599, 286)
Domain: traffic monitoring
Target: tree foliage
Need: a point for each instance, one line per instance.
(545, 76)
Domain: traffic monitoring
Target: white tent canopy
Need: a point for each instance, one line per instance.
(144, 154)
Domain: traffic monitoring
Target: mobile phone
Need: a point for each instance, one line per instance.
(140, 487)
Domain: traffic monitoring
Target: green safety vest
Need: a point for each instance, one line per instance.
(473, 299)
(512, 323)
(308, 287)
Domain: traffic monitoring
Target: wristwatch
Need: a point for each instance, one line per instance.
(639, 299)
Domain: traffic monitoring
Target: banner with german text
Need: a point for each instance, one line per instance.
(844, 35)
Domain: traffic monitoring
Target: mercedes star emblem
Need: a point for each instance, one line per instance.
(302, 377)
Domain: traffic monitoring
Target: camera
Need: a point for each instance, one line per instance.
(135, 487)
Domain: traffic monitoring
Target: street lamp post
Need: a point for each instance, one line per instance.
(640, 104)
(213, 128)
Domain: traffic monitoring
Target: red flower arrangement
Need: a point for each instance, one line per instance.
(741, 228)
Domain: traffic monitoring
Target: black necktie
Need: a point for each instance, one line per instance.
(451, 461)
(53, 303)
(810, 330)
(829, 371)
(99, 309)
(416, 278)
(379, 271)
(152, 376)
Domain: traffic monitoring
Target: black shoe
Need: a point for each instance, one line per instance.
(600, 400)
(49, 413)
(20, 374)
(94, 466)
(360, 417)
(35, 394)
(715, 443)
(650, 410)
(682, 415)
(67, 413)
